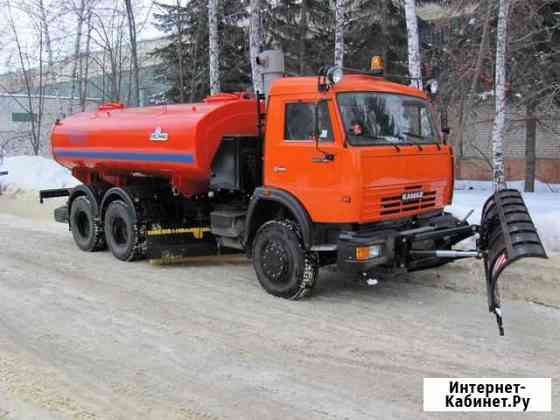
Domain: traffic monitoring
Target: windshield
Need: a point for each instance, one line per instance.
(378, 118)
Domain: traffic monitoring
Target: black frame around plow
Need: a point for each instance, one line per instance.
(507, 234)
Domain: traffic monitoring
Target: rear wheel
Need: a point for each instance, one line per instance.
(124, 237)
(87, 232)
(284, 268)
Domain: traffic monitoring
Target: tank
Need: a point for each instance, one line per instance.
(177, 142)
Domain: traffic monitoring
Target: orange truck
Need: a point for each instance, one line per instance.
(344, 169)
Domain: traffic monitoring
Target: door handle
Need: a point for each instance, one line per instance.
(279, 169)
(327, 158)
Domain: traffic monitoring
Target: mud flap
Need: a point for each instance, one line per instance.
(507, 235)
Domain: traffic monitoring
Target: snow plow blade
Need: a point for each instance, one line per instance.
(507, 234)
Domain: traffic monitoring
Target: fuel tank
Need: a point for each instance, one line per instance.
(177, 142)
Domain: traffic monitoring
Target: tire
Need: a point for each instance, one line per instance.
(283, 267)
(87, 232)
(123, 237)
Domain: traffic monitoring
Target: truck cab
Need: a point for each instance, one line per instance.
(376, 155)
(351, 165)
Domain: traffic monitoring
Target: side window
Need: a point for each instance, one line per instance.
(300, 122)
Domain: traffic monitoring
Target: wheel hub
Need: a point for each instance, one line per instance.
(120, 233)
(275, 262)
(82, 223)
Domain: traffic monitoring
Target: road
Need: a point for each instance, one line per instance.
(83, 336)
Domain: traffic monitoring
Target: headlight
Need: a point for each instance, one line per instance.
(335, 75)
(367, 252)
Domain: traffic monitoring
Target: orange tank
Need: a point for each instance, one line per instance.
(177, 142)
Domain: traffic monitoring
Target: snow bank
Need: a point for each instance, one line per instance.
(518, 185)
(543, 206)
(34, 173)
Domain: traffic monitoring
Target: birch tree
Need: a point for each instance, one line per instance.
(133, 50)
(339, 33)
(414, 63)
(84, 71)
(46, 35)
(180, 52)
(500, 118)
(80, 18)
(255, 43)
(214, 47)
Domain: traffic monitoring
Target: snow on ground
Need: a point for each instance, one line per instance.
(540, 187)
(544, 206)
(33, 173)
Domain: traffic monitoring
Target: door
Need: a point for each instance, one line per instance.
(295, 162)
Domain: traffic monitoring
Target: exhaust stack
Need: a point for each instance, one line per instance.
(272, 67)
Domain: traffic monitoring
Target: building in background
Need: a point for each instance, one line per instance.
(16, 127)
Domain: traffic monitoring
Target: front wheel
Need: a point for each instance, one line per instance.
(284, 268)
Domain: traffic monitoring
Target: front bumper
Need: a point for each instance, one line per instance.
(350, 242)
(398, 248)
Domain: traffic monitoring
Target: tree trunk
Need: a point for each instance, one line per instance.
(134, 51)
(500, 119)
(302, 37)
(414, 63)
(339, 34)
(50, 76)
(384, 6)
(77, 46)
(214, 47)
(85, 75)
(530, 151)
(255, 43)
(194, 65)
(179, 48)
(47, 34)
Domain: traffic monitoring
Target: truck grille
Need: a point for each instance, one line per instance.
(395, 204)
(389, 203)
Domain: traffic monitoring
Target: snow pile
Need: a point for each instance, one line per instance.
(543, 206)
(540, 187)
(34, 173)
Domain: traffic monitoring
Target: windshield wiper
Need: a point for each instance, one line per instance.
(421, 137)
(378, 138)
(415, 136)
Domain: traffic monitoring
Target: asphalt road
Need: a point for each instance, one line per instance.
(84, 336)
